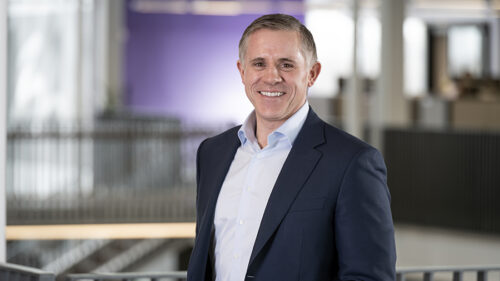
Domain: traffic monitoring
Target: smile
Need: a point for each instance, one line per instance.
(271, 94)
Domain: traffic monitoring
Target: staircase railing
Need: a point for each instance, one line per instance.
(23, 273)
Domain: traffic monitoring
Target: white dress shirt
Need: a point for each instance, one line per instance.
(245, 192)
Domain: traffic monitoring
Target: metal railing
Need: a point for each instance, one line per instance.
(444, 178)
(23, 273)
(113, 173)
(182, 275)
(456, 273)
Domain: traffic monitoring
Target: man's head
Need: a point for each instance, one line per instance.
(280, 22)
(277, 66)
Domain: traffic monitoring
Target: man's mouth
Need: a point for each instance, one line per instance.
(271, 94)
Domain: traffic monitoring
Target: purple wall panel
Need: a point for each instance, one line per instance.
(185, 66)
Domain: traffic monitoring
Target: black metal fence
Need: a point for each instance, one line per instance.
(445, 179)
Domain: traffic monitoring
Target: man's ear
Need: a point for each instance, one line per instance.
(241, 69)
(313, 73)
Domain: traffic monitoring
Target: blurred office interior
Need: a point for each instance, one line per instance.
(107, 101)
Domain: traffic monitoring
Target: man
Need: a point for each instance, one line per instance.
(286, 196)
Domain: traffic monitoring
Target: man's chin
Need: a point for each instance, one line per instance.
(270, 117)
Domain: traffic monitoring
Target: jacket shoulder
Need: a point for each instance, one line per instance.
(215, 145)
(227, 136)
(339, 139)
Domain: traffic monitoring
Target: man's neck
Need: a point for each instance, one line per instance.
(264, 128)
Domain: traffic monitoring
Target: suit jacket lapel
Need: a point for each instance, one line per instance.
(224, 154)
(298, 166)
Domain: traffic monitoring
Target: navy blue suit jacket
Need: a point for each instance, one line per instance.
(327, 218)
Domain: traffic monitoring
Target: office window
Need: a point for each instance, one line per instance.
(51, 63)
(465, 44)
(369, 46)
(333, 32)
(415, 56)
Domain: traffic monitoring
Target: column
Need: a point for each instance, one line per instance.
(494, 25)
(114, 53)
(390, 107)
(353, 121)
(3, 127)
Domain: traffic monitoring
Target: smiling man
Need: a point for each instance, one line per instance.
(286, 196)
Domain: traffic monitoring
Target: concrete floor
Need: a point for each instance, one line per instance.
(425, 246)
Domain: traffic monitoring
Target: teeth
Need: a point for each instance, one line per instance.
(271, 94)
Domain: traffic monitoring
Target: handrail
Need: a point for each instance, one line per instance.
(401, 272)
(10, 271)
(165, 230)
(457, 271)
(153, 276)
(413, 269)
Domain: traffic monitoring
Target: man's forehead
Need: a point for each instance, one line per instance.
(282, 45)
(284, 40)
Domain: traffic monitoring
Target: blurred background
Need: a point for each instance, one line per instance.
(107, 101)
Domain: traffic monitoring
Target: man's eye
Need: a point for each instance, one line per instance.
(258, 64)
(287, 65)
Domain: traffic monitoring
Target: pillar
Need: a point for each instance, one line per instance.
(351, 114)
(390, 107)
(494, 24)
(3, 126)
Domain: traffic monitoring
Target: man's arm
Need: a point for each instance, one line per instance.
(363, 221)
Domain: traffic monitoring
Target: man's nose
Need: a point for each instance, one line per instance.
(272, 75)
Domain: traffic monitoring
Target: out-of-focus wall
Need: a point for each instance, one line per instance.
(185, 65)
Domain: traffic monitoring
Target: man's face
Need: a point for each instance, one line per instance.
(276, 73)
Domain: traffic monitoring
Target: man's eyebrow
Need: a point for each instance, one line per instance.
(257, 59)
(281, 60)
(286, 60)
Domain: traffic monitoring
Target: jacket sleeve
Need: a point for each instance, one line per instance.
(363, 221)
